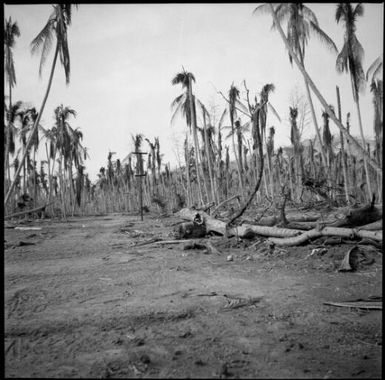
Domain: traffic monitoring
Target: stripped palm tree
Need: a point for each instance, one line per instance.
(56, 26)
(11, 31)
(233, 102)
(301, 21)
(350, 60)
(207, 147)
(185, 104)
(295, 138)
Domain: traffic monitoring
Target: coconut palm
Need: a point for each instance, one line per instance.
(10, 131)
(185, 104)
(233, 102)
(322, 100)
(11, 31)
(376, 87)
(206, 141)
(56, 26)
(301, 21)
(350, 60)
(63, 140)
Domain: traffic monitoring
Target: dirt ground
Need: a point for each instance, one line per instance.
(83, 301)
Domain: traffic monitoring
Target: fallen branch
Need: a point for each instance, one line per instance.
(327, 231)
(21, 213)
(225, 201)
(373, 305)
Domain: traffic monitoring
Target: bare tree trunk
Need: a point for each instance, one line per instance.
(369, 192)
(342, 149)
(209, 163)
(196, 145)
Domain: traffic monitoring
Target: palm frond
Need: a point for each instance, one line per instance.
(46, 32)
(177, 100)
(273, 110)
(261, 9)
(342, 59)
(374, 68)
(359, 10)
(309, 15)
(222, 118)
(340, 11)
(177, 111)
(323, 37)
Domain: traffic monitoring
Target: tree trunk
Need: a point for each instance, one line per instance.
(196, 145)
(209, 163)
(37, 121)
(239, 170)
(326, 231)
(331, 114)
(369, 193)
(6, 154)
(342, 149)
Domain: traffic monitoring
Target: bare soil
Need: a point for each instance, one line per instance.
(84, 301)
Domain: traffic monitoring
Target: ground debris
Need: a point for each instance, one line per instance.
(352, 260)
(238, 302)
(370, 303)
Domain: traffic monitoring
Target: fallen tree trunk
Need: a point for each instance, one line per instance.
(279, 236)
(211, 223)
(244, 231)
(21, 213)
(327, 231)
(372, 226)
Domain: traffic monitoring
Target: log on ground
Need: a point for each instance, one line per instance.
(327, 231)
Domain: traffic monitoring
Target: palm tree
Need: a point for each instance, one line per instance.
(63, 132)
(376, 87)
(350, 60)
(12, 114)
(185, 104)
(11, 31)
(152, 164)
(233, 103)
(295, 138)
(301, 21)
(206, 142)
(56, 26)
(322, 100)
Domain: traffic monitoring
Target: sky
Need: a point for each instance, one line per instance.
(124, 56)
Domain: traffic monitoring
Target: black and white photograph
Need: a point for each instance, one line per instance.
(193, 190)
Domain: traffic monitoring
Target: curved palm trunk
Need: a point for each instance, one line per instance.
(331, 114)
(196, 145)
(257, 185)
(37, 121)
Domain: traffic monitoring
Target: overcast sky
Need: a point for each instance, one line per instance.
(123, 57)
